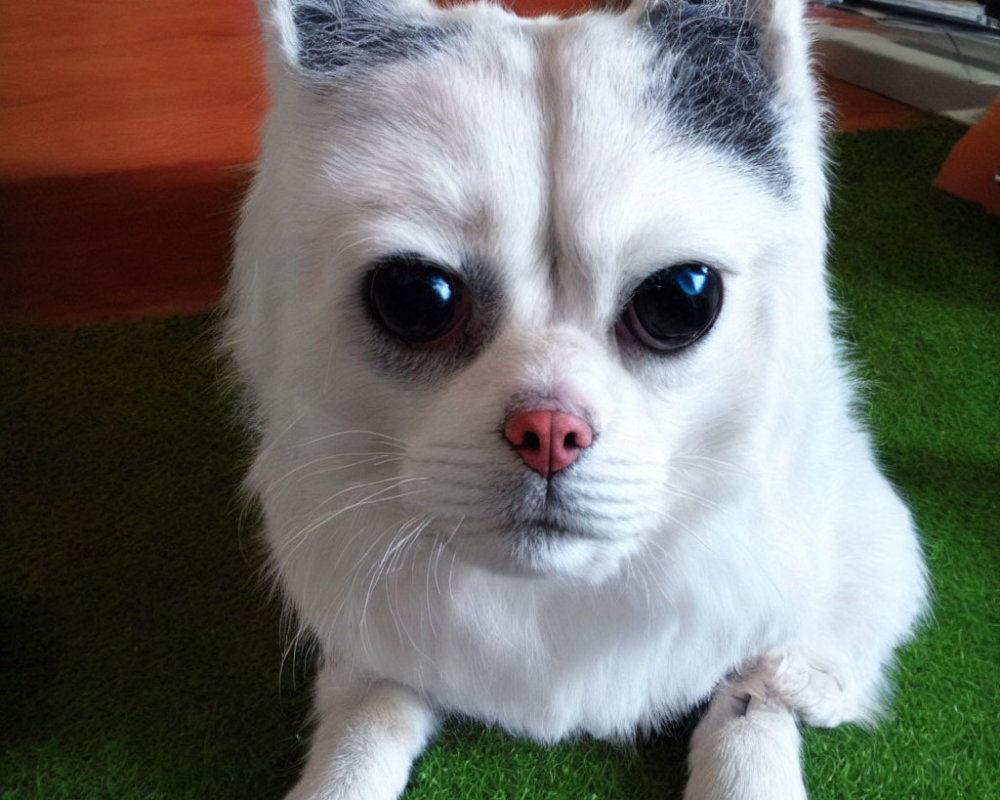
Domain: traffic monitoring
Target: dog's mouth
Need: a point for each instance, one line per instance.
(556, 527)
(520, 525)
(556, 510)
(554, 538)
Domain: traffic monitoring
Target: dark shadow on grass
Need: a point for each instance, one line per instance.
(143, 657)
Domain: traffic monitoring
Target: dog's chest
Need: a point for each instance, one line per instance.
(553, 661)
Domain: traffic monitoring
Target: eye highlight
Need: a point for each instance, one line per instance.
(416, 300)
(674, 307)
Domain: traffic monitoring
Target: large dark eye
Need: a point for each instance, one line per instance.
(674, 307)
(416, 300)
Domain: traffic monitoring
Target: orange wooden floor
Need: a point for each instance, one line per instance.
(125, 131)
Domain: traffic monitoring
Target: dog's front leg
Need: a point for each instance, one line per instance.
(746, 747)
(367, 735)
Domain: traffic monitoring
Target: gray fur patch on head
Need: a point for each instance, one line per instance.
(711, 80)
(337, 34)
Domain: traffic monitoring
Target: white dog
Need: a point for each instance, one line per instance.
(553, 428)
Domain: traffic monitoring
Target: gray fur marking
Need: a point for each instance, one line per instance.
(712, 81)
(336, 34)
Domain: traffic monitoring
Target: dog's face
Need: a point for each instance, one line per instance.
(565, 274)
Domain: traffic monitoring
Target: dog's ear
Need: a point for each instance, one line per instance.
(770, 32)
(736, 74)
(319, 39)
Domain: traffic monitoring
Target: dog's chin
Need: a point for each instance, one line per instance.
(537, 554)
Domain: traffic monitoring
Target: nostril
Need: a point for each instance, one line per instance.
(574, 432)
(529, 430)
(530, 441)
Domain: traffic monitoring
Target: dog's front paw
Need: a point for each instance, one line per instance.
(813, 692)
(366, 738)
(745, 748)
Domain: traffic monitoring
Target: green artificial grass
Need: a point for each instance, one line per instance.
(141, 658)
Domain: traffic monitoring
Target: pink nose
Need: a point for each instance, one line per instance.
(548, 441)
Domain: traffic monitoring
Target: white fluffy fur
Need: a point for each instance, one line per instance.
(742, 543)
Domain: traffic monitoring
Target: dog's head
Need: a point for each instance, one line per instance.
(567, 273)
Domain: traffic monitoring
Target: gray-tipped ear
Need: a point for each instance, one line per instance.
(774, 30)
(321, 38)
(730, 71)
(784, 42)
